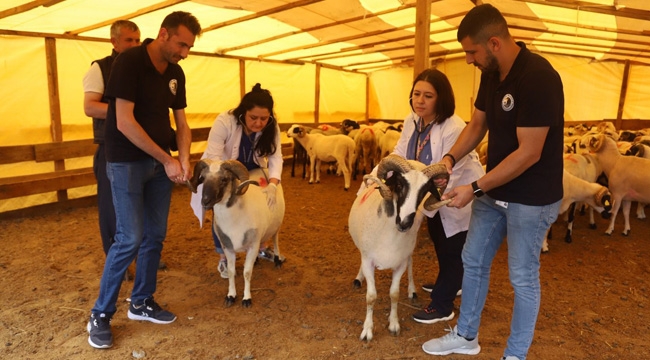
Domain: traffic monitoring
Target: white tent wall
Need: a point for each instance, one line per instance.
(637, 98)
(342, 96)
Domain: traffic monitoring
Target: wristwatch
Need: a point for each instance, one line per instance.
(477, 190)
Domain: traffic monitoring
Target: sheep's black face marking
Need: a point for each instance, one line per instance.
(400, 188)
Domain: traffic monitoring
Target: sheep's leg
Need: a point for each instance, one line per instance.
(251, 255)
(276, 248)
(312, 160)
(592, 221)
(640, 212)
(232, 291)
(346, 173)
(412, 294)
(359, 279)
(569, 226)
(317, 168)
(626, 215)
(371, 296)
(393, 320)
(615, 207)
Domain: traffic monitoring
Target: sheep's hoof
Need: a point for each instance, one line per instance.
(626, 233)
(356, 284)
(277, 261)
(413, 296)
(346, 189)
(229, 301)
(568, 239)
(247, 303)
(592, 226)
(608, 233)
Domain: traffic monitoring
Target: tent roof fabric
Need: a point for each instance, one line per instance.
(353, 35)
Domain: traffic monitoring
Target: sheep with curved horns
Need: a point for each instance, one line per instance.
(242, 218)
(384, 221)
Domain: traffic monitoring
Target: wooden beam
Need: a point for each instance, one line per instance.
(55, 105)
(28, 6)
(242, 78)
(41, 183)
(17, 153)
(319, 27)
(595, 8)
(621, 99)
(61, 150)
(262, 13)
(143, 11)
(422, 36)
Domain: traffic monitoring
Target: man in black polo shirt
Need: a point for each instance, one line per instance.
(521, 102)
(146, 81)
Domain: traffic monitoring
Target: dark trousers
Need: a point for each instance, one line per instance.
(104, 200)
(450, 275)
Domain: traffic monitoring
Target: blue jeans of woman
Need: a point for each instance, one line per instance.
(141, 196)
(525, 227)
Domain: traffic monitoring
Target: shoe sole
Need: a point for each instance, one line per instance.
(92, 343)
(133, 316)
(474, 351)
(433, 321)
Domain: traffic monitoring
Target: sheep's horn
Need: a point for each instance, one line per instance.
(433, 202)
(384, 190)
(236, 168)
(243, 187)
(392, 162)
(197, 177)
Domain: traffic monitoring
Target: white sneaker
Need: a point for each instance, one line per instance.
(452, 343)
(223, 268)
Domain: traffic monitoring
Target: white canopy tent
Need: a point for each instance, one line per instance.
(323, 60)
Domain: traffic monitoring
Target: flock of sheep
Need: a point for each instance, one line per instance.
(603, 169)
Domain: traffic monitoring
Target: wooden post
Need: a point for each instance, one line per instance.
(317, 95)
(621, 99)
(56, 129)
(367, 97)
(422, 34)
(242, 78)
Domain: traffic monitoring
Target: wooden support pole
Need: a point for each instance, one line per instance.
(621, 99)
(56, 129)
(317, 95)
(422, 34)
(242, 78)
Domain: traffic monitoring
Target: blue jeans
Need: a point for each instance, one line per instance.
(141, 195)
(525, 227)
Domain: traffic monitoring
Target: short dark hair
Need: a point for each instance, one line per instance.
(481, 23)
(261, 98)
(117, 26)
(178, 18)
(445, 103)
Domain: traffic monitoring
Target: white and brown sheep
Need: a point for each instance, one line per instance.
(578, 190)
(628, 177)
(319, 147)
(384, 221)
(242, 218)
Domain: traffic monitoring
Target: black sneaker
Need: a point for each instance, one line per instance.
(99, 331)
(150, 311)
(430, 315)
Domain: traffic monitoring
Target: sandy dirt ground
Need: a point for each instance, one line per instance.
(594, 300)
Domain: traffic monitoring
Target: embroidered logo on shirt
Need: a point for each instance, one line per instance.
(173, 84)
(507, 103)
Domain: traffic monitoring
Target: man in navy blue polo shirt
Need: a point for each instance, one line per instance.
(146, 81)
(521, 102)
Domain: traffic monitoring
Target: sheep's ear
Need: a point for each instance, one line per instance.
(198, 176)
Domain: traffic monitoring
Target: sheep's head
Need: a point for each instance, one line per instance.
(348, 125)
(604, 198)
(403, 184)
(219, 178)
(296, 131)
